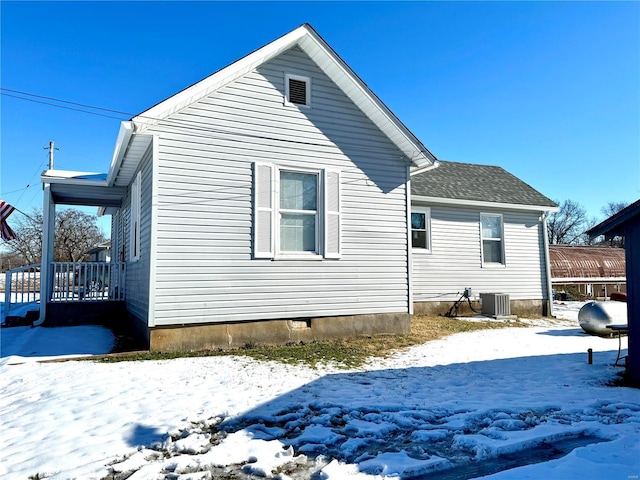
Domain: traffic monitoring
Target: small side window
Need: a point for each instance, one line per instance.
(297, 90)
(421, 228)
(492, 234)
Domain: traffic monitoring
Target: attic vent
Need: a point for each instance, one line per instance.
(297, 90)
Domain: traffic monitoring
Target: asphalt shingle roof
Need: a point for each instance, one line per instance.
(484, 183)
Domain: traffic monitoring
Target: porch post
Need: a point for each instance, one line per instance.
(48, 230)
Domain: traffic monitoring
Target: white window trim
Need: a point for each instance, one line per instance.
(134, 218)
(266, 200)
(503, 264)
(427, 224)
(307, 80)
(319, 230)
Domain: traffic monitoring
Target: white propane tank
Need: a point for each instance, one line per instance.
(595, 316)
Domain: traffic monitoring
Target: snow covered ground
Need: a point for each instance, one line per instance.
(520, 403)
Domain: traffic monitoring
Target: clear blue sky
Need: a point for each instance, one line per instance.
(549, 91)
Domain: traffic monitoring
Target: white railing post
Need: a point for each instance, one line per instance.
(7, 295)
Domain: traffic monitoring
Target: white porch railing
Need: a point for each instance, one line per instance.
(71, 282)
(87, 281)
(21, 290)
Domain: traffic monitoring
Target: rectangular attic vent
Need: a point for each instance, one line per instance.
(495, 304)
(297, 91)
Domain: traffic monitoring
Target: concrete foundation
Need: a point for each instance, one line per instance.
(274, 332)
(521, 308)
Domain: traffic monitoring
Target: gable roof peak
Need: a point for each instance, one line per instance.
(307, 39)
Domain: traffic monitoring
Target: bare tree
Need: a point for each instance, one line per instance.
(611, 208)
(9, 260)
(584, 239)
(75, 233)
(567, 225)
(28, 241)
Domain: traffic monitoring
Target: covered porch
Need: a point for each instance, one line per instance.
(78, 283)
(73, 292)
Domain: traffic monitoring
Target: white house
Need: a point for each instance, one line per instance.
(267, 202)
(478, 227)
(271, 202)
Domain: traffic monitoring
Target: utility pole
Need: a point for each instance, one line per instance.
(51, 148)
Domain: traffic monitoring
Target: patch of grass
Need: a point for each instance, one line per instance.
(347, 353)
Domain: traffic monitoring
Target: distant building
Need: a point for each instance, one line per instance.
(588, 271)
(100, 253)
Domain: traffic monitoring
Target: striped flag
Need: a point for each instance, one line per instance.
(5, 229)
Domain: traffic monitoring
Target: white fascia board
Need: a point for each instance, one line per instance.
(482, 204)
(343, 76)
(124, 137)
(218, 80)
(562, 281)
(69, 177)
(418, 171)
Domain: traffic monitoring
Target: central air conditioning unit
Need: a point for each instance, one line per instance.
(495, 304)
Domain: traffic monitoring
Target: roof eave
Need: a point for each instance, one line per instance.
(483, 204)
(127, 130)
(614, 225)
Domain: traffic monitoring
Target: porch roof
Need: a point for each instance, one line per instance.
(82, 188)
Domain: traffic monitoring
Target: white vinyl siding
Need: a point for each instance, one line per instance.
(455, 261)
(117, 237)
(209, 217)
(137, 275)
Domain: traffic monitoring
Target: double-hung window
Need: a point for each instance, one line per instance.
(296, 213)
(492, 234)
(421, 228)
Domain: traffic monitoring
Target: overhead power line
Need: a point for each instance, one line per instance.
(206, 130)
(58, 106)
(93, 107)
